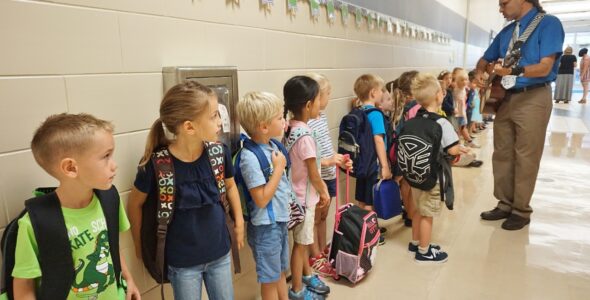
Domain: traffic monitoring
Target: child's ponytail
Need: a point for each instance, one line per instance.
(183, 102)
(156, 139)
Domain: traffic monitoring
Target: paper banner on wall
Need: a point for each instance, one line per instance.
(371, 20)
(331, 10)
(389, 26)
(315, 9)
(267, 3)
(358, 16)
(292, 6)
(345, 13)
(398, 28)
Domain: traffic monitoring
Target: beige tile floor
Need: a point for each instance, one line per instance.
(550, 259)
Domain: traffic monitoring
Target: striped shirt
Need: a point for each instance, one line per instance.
(320, 125)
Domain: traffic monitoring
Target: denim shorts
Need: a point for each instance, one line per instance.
(270, 247)
(462, 121)
(331, 184)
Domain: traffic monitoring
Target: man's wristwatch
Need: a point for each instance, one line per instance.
(517, 71)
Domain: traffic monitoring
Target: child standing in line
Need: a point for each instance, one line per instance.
(77, 150)
(302, 99)
(369, 90)
(198, 242)
(429, 95)
(460, 97)
(261, 115)
(402, 93)
(329, 160)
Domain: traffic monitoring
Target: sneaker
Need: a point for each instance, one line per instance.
(316, 285)
(382, 230)
(433, 256)
(381, 240)
(304, 294)
(472, 144)
(414, 248)
(321, 266)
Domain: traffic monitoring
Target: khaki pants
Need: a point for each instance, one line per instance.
(519, 137)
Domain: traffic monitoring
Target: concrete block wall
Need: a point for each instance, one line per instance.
(106, 57)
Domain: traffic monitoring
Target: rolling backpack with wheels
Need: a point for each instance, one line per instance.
(354, 243)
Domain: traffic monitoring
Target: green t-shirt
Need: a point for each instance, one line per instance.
(89, 240)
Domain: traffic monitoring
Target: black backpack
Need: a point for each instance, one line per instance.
(420, 157)
(355, 139)
(55, 254)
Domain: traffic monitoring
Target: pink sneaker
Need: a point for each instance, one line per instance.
(321, 266)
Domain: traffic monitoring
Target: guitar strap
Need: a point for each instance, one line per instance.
(518, 40)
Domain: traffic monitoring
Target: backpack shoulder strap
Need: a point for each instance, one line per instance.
(283, 150)
(215, 153)
(164, 169)
(294, 135)
(110, 202)
(217, 160)
(259, 153)
(55, 253)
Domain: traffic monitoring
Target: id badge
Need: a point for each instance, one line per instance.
(509, 81)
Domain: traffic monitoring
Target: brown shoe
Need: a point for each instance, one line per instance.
(515, 222)
(494, 214)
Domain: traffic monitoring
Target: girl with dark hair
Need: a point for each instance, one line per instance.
(302, 99)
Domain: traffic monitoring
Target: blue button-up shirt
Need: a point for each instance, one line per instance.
(545, 41)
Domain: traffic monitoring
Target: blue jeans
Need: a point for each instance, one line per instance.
(187, 282)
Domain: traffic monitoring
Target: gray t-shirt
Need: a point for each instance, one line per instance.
(449, 136)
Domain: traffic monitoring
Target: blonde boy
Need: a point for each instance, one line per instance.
(77, 150)
(429, 94)
(369, 90)
(261, 115)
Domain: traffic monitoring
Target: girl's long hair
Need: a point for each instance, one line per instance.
(297, 92)
(183, 102)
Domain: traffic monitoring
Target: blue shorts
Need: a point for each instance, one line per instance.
(331, 187)
(461, 121)
(364, 189)
(270, 248)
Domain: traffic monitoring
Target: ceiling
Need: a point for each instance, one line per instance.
(574, 14)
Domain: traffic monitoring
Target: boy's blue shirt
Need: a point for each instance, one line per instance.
(254, 177)
(377, 123)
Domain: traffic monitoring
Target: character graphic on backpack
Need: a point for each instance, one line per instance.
(95, 271)
(414, 158)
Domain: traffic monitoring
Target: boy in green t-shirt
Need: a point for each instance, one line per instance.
(78, 151)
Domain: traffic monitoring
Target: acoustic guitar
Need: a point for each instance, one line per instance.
(495, 93)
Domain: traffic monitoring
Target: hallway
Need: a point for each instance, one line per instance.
(543, 261)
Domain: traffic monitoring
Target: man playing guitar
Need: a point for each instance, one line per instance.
(522, 117)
